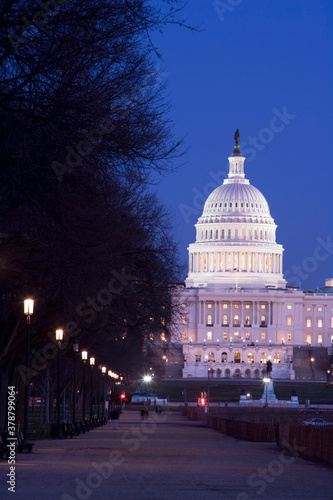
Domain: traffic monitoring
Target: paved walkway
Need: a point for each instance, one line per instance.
(166, 457)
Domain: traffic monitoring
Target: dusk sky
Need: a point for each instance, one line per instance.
(252, 61)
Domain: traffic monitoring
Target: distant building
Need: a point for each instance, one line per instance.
(237, 310)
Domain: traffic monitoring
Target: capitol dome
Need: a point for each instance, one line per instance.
(236, 199)
(235, 234)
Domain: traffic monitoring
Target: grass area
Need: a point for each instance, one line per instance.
(231, 391)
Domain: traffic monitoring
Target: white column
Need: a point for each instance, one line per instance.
(258, 313)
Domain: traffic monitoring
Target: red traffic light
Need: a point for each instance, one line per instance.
(203, 401)
(123, 396)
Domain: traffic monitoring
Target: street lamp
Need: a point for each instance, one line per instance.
(75, 350)
(103, 373)
(147, 379)
(59, 338)
(266, 381)
(28, 311)
(84, 355)
(92, 364)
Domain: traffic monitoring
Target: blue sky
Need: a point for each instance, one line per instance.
(251, 61)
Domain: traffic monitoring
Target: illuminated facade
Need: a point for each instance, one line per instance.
(238, 311)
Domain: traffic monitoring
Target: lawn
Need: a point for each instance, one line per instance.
(230, 391)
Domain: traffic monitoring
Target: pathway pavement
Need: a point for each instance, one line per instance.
(166, 457)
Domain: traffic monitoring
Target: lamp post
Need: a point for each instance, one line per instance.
(110, 394)
(84, 356)
(59, 338)
(266, 381)
(92, 364)
(147, 379)
(28, 311)
(103, 399)
(75, 350)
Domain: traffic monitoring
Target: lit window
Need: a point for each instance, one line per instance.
(198, 357)
(162, 321)
(308, 308)
(151, 336)
(225, 306)
(320, 323)
(236, 306)
(211, 356)
(320, 339)
(289, 321)
(209, 306)
(224, 357)
(225, 336)
(183, 306)
(209, 319)
(247, 306)
(332, 339)
(263, 357)
(250, 357)
(263, 320)
(331, 321)
(225, 319)
(263, 306)
(263, 336)
(163, 337)
(289, 306)
(236, 319)
(184, 320)
(183, 335)
(209, 335)
(247, 336)
(289, 337)
(247, 320)
(236, 334)
(320, 309)
(308, 339)
(308, 323)
(276, 357)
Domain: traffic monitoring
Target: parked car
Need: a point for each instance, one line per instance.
(316, 421)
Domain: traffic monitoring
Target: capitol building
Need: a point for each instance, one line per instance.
(237, 311)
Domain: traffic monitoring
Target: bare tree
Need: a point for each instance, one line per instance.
(82, 125)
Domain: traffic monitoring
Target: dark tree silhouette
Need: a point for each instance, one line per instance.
(82, 124)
